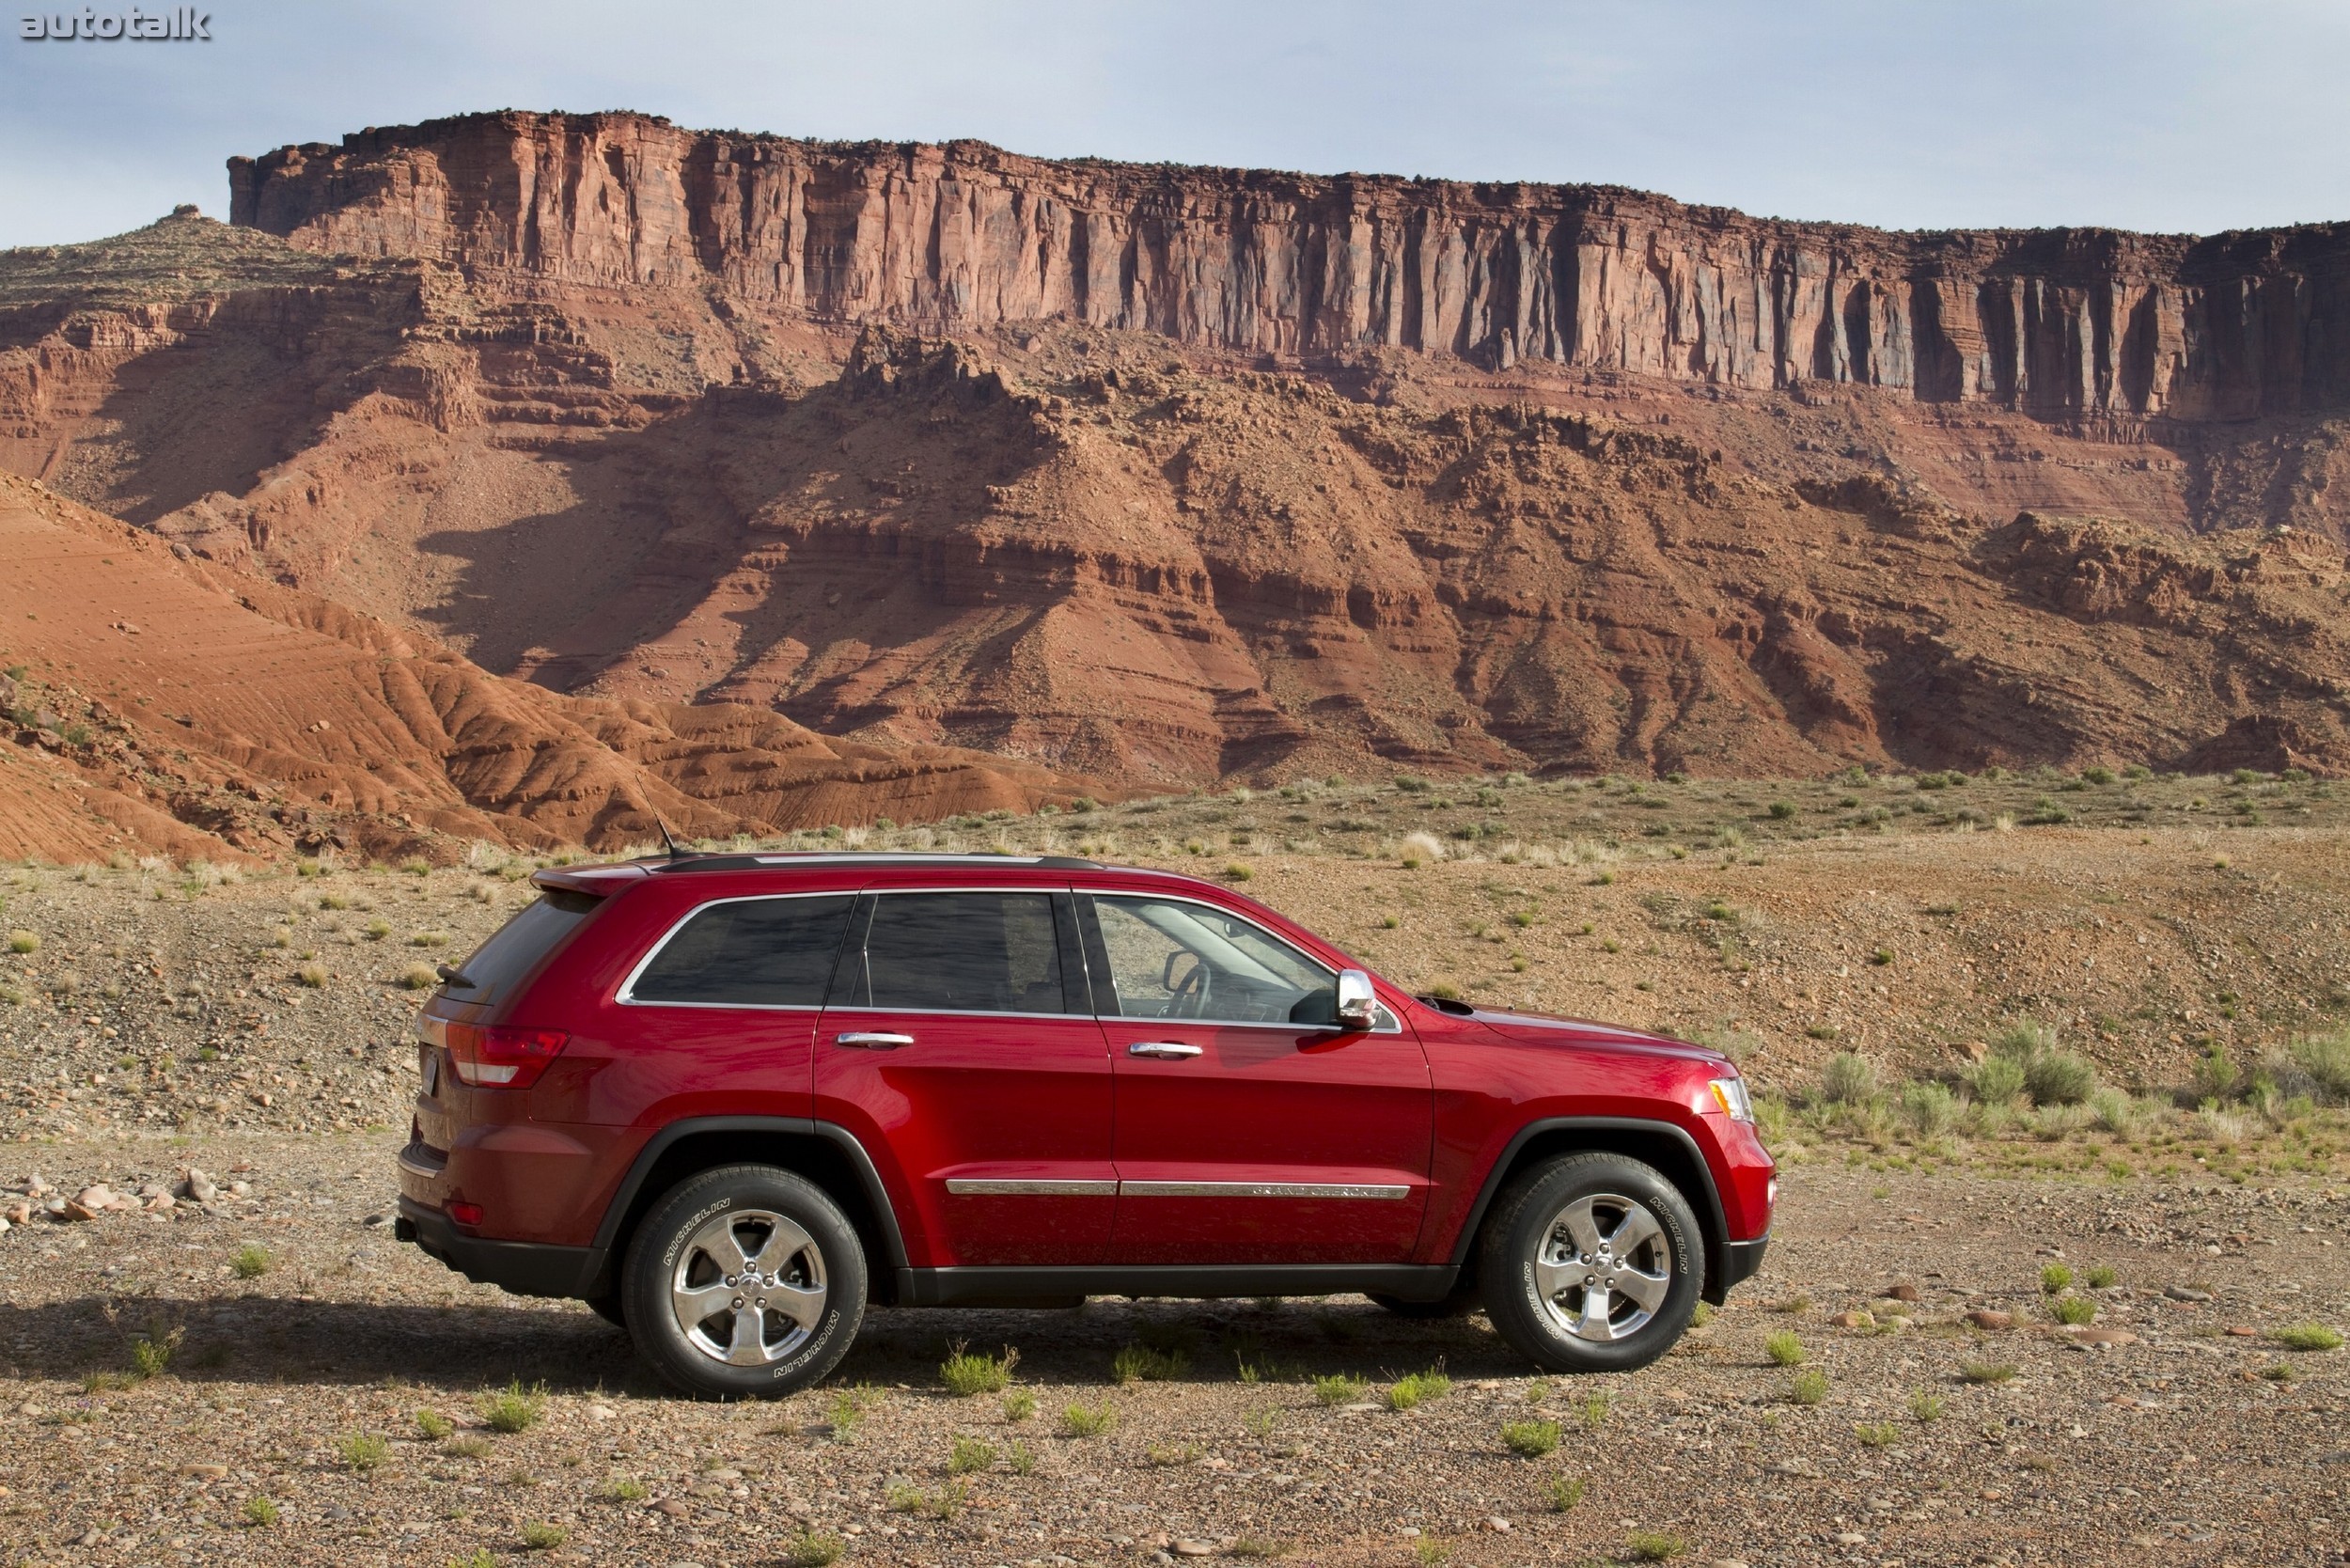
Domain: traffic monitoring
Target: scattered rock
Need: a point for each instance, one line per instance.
(197, 1185)
(2181, 1293)
(2237, 1331)
(1902, 1293)
(1984, 1318)
(2090, 1334)
(1853, 1320)
(1194, 1548)
(207, 1472)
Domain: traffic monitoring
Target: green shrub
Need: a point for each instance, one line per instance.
(23, 942)
(809, 1549)
(1987, 1371)
(1565, 1492)
(1087, 1420)
(259, 1511)
(542, 1538)
(514, 1408)
(2099, 1277)
(1930, 1107)
(1808, 1387)
(2054, 1279)
(1530, 1440)
(1997, 1080)
(1019, 1406)
(970, 1455)
(364, 1450)
(1926, 1406)
(1649, 1546)
(2216, 1076)
(1142, 1364)
(1876, 1435)
(2327, 1060)
(1784, 1348)
(433, 1426)
(966, 1375)
(1416, 1388)
(251, 1261)
(2073, 1310)
(624, 1489)
(1338, 1388)
(1848, 1079)
(2058, 1079)
(2307, 1335)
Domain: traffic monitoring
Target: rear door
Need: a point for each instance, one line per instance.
(1245, 1131)
(958, 1046)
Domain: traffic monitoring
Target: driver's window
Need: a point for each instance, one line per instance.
(1172, 959)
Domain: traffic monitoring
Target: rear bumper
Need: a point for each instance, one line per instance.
(526, 1268)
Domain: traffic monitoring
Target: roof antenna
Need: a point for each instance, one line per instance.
(667, 841)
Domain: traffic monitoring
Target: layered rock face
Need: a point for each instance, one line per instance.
(2068, 325)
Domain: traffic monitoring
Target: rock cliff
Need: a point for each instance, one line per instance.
(2067, 326)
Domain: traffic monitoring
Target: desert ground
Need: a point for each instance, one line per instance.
(2094, 1321)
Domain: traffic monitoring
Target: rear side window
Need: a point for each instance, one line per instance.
(956, 952)
(515, 949)
(750, 952)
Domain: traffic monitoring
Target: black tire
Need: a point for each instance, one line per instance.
(609, 1309)
(816, 1280)
(1462, 1299)
(1528, 1238)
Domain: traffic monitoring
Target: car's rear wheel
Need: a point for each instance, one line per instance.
(1592, 1263)
(745, 1281)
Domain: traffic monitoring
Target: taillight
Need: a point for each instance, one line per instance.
(466, 1213)
(499, 1056)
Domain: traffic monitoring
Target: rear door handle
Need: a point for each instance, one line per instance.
(872, 1040)
(1169, 1050)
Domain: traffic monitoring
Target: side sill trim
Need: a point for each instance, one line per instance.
(974, 1186)
(1055, 1285)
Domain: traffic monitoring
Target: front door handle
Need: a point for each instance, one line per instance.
(872, 1040)
(1172, 1050)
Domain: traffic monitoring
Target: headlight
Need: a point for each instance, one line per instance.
(1730, 1094)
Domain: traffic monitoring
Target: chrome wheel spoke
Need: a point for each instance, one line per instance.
(718, 1241)
(1638, 1228)
(1551, 1278)
(749, 1347)
(1647, 1290)
(1581, 1229)
(803, 1305)
(785, 1242)
(1591, 1323)
(697, 1304)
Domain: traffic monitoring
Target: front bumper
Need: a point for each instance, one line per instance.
(1741, 1260)
(526, 1268)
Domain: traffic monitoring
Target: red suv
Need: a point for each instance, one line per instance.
(729, 1100)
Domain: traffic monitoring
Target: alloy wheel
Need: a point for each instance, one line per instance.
(748, 1288)
(1604, 1267)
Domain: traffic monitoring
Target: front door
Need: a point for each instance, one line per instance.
(957, 1044)
(1245, 1132)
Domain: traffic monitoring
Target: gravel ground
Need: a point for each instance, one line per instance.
(162, 1021)
(2181, 1441)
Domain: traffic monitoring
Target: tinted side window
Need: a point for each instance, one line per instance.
(957, 952)
(515, 947)
(752, 953)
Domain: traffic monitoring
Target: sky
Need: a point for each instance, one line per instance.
(1909, 113)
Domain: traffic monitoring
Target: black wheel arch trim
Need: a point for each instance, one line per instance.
(1720, 1275)
(631, 1184)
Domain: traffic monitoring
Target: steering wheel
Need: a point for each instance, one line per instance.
(1189, 996)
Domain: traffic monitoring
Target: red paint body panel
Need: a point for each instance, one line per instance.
(1033, 1098)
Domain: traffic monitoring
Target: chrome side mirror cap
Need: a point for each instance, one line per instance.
(1358, 1008)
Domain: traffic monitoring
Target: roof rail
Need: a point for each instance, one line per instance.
(726, 861)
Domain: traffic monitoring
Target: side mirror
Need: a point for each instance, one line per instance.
(1358, 1009)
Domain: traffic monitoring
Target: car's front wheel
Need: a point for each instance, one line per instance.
(745, 1281)
(1592, 1263)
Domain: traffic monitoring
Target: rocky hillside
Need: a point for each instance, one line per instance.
(157, 702)
(603, 447)
(2068, 324)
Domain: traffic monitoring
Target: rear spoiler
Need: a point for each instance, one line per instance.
(596, 882)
